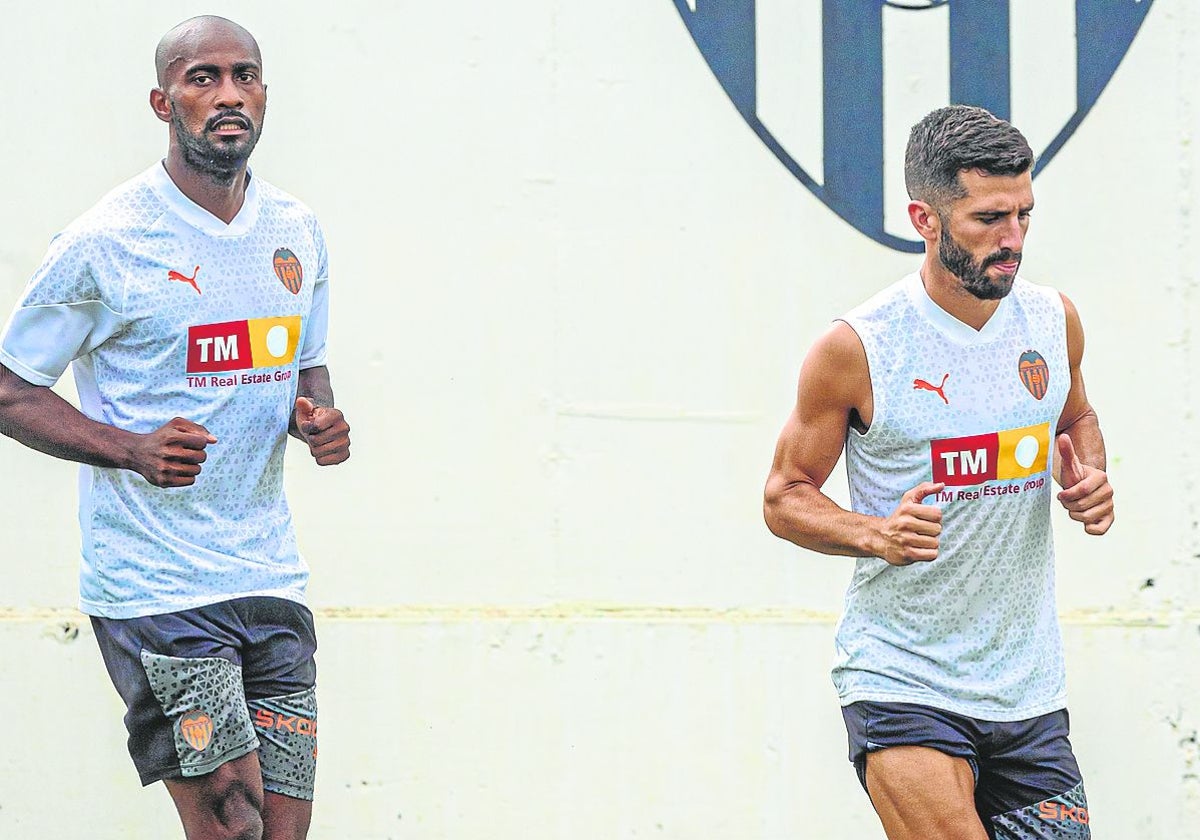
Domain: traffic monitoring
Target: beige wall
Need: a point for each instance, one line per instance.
(572, 292)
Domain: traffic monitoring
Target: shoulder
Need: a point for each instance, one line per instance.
(282, 202)
(883, 304)
(1061, 306)
(1074, 331)
(836, 363)
(1068, 308)
(122, 215)
(1048, 296)
(1038, 294)
(840, 343)
(281, 206)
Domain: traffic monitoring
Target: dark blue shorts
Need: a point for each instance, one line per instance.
(1027, 782)
(208, 685)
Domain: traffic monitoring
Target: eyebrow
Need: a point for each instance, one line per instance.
(213, 69)
(1024, 208)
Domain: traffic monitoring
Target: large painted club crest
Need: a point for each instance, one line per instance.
(832, 87)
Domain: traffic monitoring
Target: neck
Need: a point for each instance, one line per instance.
(221, 194)
(945, 289)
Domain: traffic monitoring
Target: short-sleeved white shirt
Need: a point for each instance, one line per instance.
(163, 310)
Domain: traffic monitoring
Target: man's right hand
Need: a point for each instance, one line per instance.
(171, 455)
(910, 534)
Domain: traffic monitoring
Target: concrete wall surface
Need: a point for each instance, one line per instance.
(572, 291)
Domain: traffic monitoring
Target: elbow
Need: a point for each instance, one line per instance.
(775, 525)
(788, 509)
(773, 513)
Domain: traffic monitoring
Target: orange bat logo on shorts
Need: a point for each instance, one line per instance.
(197, 730)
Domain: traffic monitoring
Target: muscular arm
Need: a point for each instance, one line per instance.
(39, 418)
(835, 390)
(1081, 463)
(1078, 419)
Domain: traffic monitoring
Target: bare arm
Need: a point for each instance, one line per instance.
(39, 418)
(1078, 419)
(1080, 467)
(316, 421)
(835, 390)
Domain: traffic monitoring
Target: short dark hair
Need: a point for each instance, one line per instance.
(955, 138)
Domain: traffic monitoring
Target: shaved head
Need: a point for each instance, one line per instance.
(179, 44)
(211, 94)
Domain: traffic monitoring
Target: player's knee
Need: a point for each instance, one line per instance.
(238, 813)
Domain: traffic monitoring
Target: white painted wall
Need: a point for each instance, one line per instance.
(548, 606)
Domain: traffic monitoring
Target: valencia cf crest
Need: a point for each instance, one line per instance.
(288, 270)
(832, 87)
(197, 729)
(1035, 374)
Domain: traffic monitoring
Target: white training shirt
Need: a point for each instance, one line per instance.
(165, 311)
(976, 630)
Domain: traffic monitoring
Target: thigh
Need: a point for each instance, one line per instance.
(278, 645)
(923, 794)
(181, 679)
(280, 681)
(918, 766)
(1030, 786)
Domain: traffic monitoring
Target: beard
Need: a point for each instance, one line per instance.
(972, 274)
(221, 159)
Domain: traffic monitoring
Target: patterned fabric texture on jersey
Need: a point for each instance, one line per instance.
(976, 630)
(166, 311)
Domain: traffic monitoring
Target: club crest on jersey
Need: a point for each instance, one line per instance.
(1035, 373)
(832, 87)
(197, 729)
(288, 270)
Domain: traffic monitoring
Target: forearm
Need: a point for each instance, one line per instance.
(802, 514)
(314, 385)
(40, 419)
(1085, 436)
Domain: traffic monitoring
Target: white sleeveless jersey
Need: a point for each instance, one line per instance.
(976, 630)
(166, 311)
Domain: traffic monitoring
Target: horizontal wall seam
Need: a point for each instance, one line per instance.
(629, 613)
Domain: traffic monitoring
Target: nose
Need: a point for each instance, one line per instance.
(229, 95)
(1013, 235)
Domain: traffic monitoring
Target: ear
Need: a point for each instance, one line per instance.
(925, 220)
(160, 104)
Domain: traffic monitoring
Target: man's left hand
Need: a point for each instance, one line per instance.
(1086, 493)
(325, 431)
